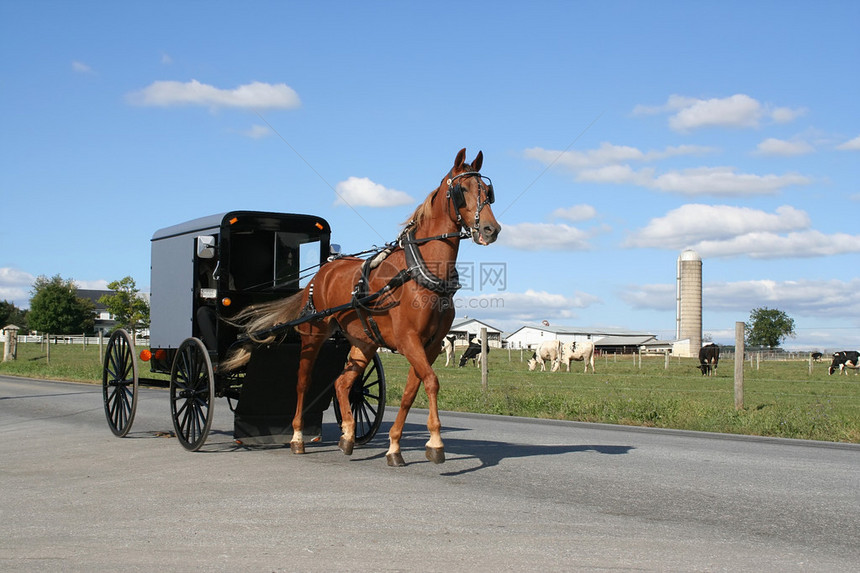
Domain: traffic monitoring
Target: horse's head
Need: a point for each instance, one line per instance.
(470, 195)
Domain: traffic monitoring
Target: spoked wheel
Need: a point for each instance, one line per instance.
(192, 391)
(119, 383)
(367, 401)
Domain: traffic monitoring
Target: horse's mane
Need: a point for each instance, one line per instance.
(424, 210)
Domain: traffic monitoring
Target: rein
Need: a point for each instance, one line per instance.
(416, 269)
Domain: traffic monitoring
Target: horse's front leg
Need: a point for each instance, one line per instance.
(355, 367)
(420, 371)
(393, 455)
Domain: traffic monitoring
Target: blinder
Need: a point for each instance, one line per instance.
(456, 193)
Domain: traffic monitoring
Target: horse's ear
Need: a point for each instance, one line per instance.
(460, 159)
(479, 160)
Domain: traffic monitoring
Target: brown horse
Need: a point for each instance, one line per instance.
(411, 316)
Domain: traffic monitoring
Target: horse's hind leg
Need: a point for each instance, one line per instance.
(312, 341)
(356, 364)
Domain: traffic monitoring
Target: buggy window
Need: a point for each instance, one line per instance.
(296, 255)
(266, 260)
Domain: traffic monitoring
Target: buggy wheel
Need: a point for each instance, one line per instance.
(192, 391)
(119, 383)
(367, 402)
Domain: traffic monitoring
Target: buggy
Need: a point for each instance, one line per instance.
(204, 272)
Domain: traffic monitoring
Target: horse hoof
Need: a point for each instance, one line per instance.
(395, 460)
(435, 455)
(297, 447)
(346, 446)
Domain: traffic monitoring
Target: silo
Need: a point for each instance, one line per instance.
(689, 300)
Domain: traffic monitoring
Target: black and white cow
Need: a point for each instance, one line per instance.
(709, 357)
(843, 360)
(816, 356)
(473, 352)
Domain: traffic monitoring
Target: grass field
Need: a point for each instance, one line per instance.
(780, 398)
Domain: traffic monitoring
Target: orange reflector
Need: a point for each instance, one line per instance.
(233, 220)
(160, 354)
(319, 226)
(226, 301)
(145, 355)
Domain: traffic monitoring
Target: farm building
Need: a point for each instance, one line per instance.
(605, 340)
(467, 328)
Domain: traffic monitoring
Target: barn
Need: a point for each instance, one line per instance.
(467, 328)
(616, 340)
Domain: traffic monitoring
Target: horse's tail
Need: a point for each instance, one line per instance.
(259, 318)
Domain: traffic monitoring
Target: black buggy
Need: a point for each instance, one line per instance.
(204, 272)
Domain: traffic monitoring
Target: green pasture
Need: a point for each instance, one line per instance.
(781, 398)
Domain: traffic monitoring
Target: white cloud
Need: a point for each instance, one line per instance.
(724, 181)
(851, 145)
(361, 191)
(256, 95)
(609, 154)
(773, 146)
(767, 245)
(575, 213)
(257, 132)
(693, 223)
(735, 111)
(545, 236)
(726, 231)
(514, 308)
(815, 298)
(738, 111)
(786, 114)
(81, 68)
(15, 286)
(609, 164)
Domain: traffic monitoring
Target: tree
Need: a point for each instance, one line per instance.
(55, 307)
(11, 314)
(128, 309)
(768, 327)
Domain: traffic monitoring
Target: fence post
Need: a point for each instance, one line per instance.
(739, 366)
(484, 358)
(665, 360)
(48, 347)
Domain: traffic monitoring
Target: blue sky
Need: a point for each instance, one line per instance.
(616, 134)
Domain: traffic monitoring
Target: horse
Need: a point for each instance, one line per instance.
(416, 279)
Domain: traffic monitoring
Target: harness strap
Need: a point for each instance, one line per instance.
(419, 271)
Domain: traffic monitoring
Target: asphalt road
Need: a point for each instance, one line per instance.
(514, 495)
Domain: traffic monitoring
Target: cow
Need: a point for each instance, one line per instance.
(709, 357)
(843, 360)
(579, 352)
(548, 350)
(448, 347)
(473, 352)
(816, 356)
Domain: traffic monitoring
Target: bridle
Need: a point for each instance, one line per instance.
(457, 200)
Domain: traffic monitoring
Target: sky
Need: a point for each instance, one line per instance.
(616, 134)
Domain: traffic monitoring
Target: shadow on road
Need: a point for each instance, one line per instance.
(487, 452)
